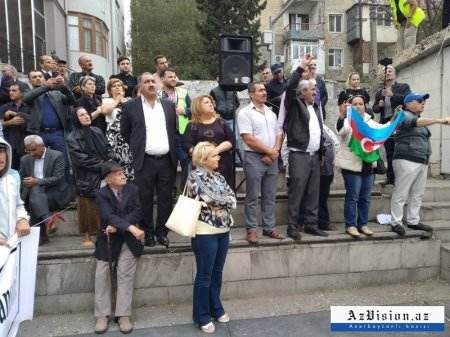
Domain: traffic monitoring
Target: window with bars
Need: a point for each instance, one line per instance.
(297, 49)
(335, 58)
(88, 34)
(335, 23)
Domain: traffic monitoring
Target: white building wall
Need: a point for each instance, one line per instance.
(55, 23)
(430, 75)
(113, 17)
(384, 34)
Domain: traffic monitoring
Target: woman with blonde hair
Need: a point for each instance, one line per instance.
(206, 125)
(112, 107)
(210, 244)
(353, 88)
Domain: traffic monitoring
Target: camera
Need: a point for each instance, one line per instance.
(385, 62)
(55, 74)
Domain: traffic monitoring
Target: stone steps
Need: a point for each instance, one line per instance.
(380, 203)
(445, 261)
(65, 273)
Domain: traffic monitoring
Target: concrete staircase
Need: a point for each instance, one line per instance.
(65, 279)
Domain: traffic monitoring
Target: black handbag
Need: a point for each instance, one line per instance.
(381, 167)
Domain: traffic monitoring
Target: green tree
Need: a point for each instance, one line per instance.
(236, 17)
(167, 28)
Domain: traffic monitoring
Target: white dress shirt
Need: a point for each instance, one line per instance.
(314, 131)
(39, 166)
(157, 140)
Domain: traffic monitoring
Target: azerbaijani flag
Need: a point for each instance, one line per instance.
(367, 139)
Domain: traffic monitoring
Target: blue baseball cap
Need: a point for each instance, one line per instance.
(415, 96)
(276, 67)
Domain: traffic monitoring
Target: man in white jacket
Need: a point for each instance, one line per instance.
(13, 216)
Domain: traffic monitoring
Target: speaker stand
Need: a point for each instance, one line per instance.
(235, 149)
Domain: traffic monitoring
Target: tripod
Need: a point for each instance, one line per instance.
(235, 148)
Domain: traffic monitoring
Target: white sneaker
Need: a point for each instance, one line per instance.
(208, 328)
(225, 318)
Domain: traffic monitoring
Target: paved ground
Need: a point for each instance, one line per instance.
(304, 315)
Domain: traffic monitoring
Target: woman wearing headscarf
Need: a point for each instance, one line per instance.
(88, 150)
(91, 103)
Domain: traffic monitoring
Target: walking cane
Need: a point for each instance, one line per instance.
(111, 275)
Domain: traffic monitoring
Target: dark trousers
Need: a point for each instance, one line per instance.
(446, 14)
(304, 181)
(39, 205)
(210, 254)
(389, 147)
(156, 174)
(324, 193)
(57, 141)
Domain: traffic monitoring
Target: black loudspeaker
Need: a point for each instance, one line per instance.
(236, 62)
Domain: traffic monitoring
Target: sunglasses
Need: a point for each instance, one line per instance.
(420, 100)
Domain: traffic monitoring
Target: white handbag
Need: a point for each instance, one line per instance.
(184, 216)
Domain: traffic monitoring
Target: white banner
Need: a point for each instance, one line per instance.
(17, 281)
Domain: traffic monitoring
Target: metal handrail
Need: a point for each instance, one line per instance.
(16, 56)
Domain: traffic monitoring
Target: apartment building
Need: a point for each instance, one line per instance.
(336, 32)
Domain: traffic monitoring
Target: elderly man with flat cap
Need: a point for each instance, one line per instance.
(412, 153)
(120, 210)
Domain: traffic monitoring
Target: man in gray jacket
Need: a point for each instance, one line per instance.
(50, 102)
(42, 171)
(410, 162)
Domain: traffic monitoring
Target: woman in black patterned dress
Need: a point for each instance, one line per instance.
(112, 107)
(206, 125)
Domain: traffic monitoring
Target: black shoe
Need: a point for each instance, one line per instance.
(421, 227)
(314, 231)
(293, 233)
(398, 229)
(150, 241)
(163, 240)
(43, 240)
(387, 182)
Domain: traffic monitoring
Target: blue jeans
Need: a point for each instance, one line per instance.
(357, 198)
(181, 154)
(210, 254)
(57, 141)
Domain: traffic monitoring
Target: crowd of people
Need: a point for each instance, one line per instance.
(63, 141)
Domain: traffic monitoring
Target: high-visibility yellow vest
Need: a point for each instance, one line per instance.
(183, 120)
(181, 103)
(405, 8)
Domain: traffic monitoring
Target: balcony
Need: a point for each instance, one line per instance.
(303, 31)
(287, 3)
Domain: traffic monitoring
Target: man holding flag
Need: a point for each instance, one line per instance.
(411, 156)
